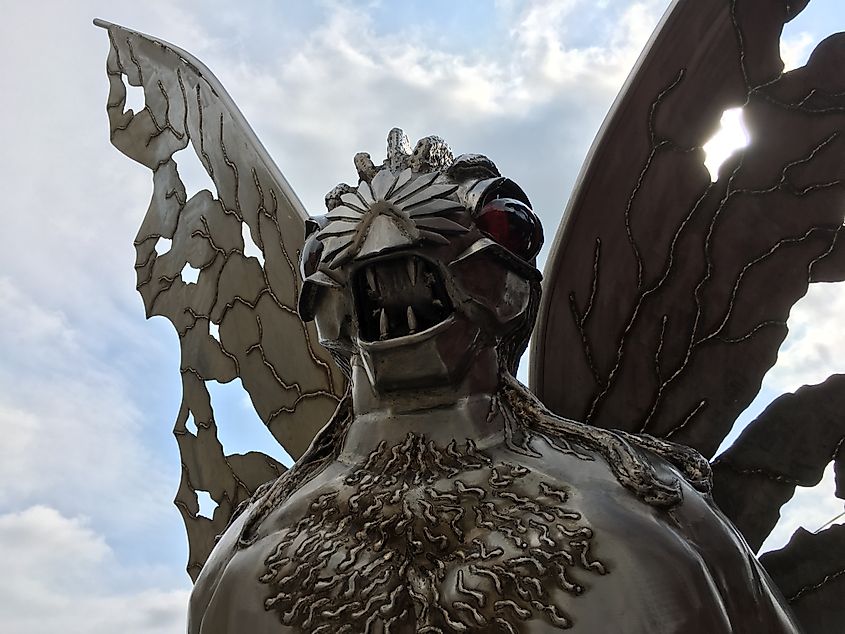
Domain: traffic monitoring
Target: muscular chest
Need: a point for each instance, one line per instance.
(436, 539)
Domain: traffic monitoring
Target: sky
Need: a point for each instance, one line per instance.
(89, 539)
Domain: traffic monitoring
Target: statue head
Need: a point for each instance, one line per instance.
(429, 261)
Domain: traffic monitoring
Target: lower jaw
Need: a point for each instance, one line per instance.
(407, 340)
(435, 357)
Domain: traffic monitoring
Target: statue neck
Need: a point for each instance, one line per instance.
(460, 411)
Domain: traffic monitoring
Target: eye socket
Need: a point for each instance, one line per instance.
(312, 251)
(512, 224)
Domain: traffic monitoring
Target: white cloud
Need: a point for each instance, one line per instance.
(90, 389)
(810, 508)
(351, 79)
(39, 535)
(812, 349)
(58, 575)
(87, 426)
(71, 428)
(795, 49)
(810, 353)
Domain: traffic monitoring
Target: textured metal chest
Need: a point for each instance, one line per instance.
(430, 539)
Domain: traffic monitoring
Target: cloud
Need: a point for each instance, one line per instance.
(525, 85)
(87, 530)
(59, 575)
(71, 427)
(811, 508)
(795, 49)
(809, 354)
(811, 351)
(87, 426)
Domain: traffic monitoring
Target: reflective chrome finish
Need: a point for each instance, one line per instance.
(442, 496)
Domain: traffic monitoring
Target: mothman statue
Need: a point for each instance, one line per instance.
(432, 491)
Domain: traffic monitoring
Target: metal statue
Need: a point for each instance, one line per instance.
(439, 494)
(442, 496)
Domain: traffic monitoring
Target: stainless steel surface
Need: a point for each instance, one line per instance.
(250, 301)
(442, 496)
(667, 294)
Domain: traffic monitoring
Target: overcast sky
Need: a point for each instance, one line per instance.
(89, 539)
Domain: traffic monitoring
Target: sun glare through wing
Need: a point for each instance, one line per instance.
(732, 136)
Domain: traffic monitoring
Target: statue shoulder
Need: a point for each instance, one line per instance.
(550, 536)
(657, 530)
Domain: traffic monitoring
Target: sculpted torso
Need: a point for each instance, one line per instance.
(420, 536)
(442, 497)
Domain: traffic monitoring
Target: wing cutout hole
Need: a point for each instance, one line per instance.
(801, 35)
(811, 508)
(809, 354)
(239, 428)
(214, 330)
(251, 250)
(191, 425)
(189, 274)
(812, 349)
(206, 503)
(163, 245)
(731, 136)
(135, 100)
(193, 174)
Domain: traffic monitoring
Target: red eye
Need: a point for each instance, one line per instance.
(312, 251)
(512, 224)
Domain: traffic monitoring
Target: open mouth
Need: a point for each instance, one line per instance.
(398, 297)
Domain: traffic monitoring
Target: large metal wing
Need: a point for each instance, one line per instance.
(666, 294)
(238, 318)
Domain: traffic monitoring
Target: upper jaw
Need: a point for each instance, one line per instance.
(399, 299)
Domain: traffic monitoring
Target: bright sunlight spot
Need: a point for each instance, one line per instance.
(731, 137)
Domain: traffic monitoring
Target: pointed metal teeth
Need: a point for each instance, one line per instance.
(413, 269)
(383, 325)
(412, 321)
(371, 279)
(399, 297)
